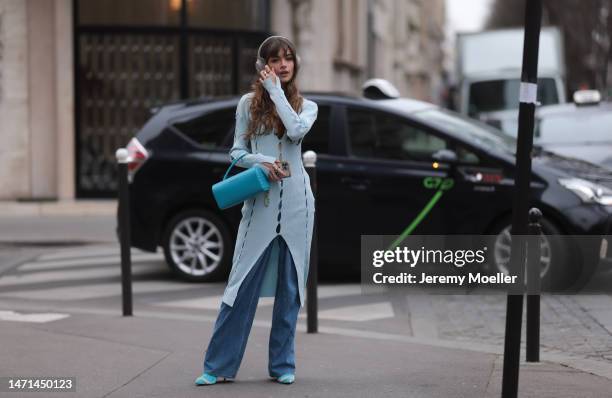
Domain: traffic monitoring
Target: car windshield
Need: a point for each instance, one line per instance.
(496, 95)
(469, 130)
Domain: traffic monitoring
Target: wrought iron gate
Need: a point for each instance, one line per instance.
(121, 72)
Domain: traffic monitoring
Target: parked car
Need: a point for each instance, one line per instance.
(582, 129)
(374, 159)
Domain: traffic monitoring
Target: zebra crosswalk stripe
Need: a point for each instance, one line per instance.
(36, 318)
(99, 290)
(85, 262)
(90, 269)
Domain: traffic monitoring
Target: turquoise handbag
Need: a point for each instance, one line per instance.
(236, 189)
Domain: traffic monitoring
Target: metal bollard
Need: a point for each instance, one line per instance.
(310, 164)
(533, 286)
(122, 156)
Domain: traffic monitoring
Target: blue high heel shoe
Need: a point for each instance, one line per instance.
(286, 378)
(207, 379)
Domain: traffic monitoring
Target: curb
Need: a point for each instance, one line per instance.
(53, 243)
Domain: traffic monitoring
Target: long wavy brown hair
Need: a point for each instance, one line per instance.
(263, 111)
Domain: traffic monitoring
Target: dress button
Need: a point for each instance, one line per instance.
(278, 227)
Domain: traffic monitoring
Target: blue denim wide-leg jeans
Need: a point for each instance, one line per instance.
(233, 324)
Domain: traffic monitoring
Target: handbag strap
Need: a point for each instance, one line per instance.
(233, 163)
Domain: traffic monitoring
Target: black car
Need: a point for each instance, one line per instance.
(379, 163)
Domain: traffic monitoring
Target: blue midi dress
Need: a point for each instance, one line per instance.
(289, 208)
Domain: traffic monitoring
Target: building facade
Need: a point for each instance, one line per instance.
(78, 77)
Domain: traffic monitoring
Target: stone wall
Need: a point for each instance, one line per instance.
(37, 147)
(36, 100)
(14, 120)
(332, 37)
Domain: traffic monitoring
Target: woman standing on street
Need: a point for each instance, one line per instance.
(272, 251)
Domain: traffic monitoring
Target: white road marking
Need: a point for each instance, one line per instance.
(36, 318)
(89, 251)
(214, 302)
(60, 276)
(96, 291)
(210, 302)
(88, 262)
(93, 263)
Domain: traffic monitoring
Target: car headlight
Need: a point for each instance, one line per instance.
(588, 191)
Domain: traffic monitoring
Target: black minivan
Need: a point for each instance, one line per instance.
(379, 162)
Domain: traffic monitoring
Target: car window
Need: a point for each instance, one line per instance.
(317, 139)
(362, 127)
(381, 135)
(209, 130)
(464, 155)
(468, 129)
(495, 95)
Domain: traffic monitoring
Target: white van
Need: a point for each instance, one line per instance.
(489, 67)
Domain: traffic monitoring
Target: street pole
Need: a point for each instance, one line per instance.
(528, 99)
(312, 322)
(122, 156)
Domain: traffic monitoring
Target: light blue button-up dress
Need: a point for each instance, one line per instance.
(291, 207)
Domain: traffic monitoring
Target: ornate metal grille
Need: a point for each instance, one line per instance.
(121, 76)
(212, 65)
(122, 72)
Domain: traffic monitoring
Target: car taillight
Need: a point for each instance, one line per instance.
(138, 155)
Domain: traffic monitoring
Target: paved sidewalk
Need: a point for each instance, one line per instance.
(154, 355)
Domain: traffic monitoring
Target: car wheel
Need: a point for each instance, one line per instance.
(556, 271)
(196, 246)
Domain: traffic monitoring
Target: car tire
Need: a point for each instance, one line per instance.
(197, 245)
(557, 272)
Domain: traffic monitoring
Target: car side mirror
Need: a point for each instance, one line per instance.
(445, 155)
